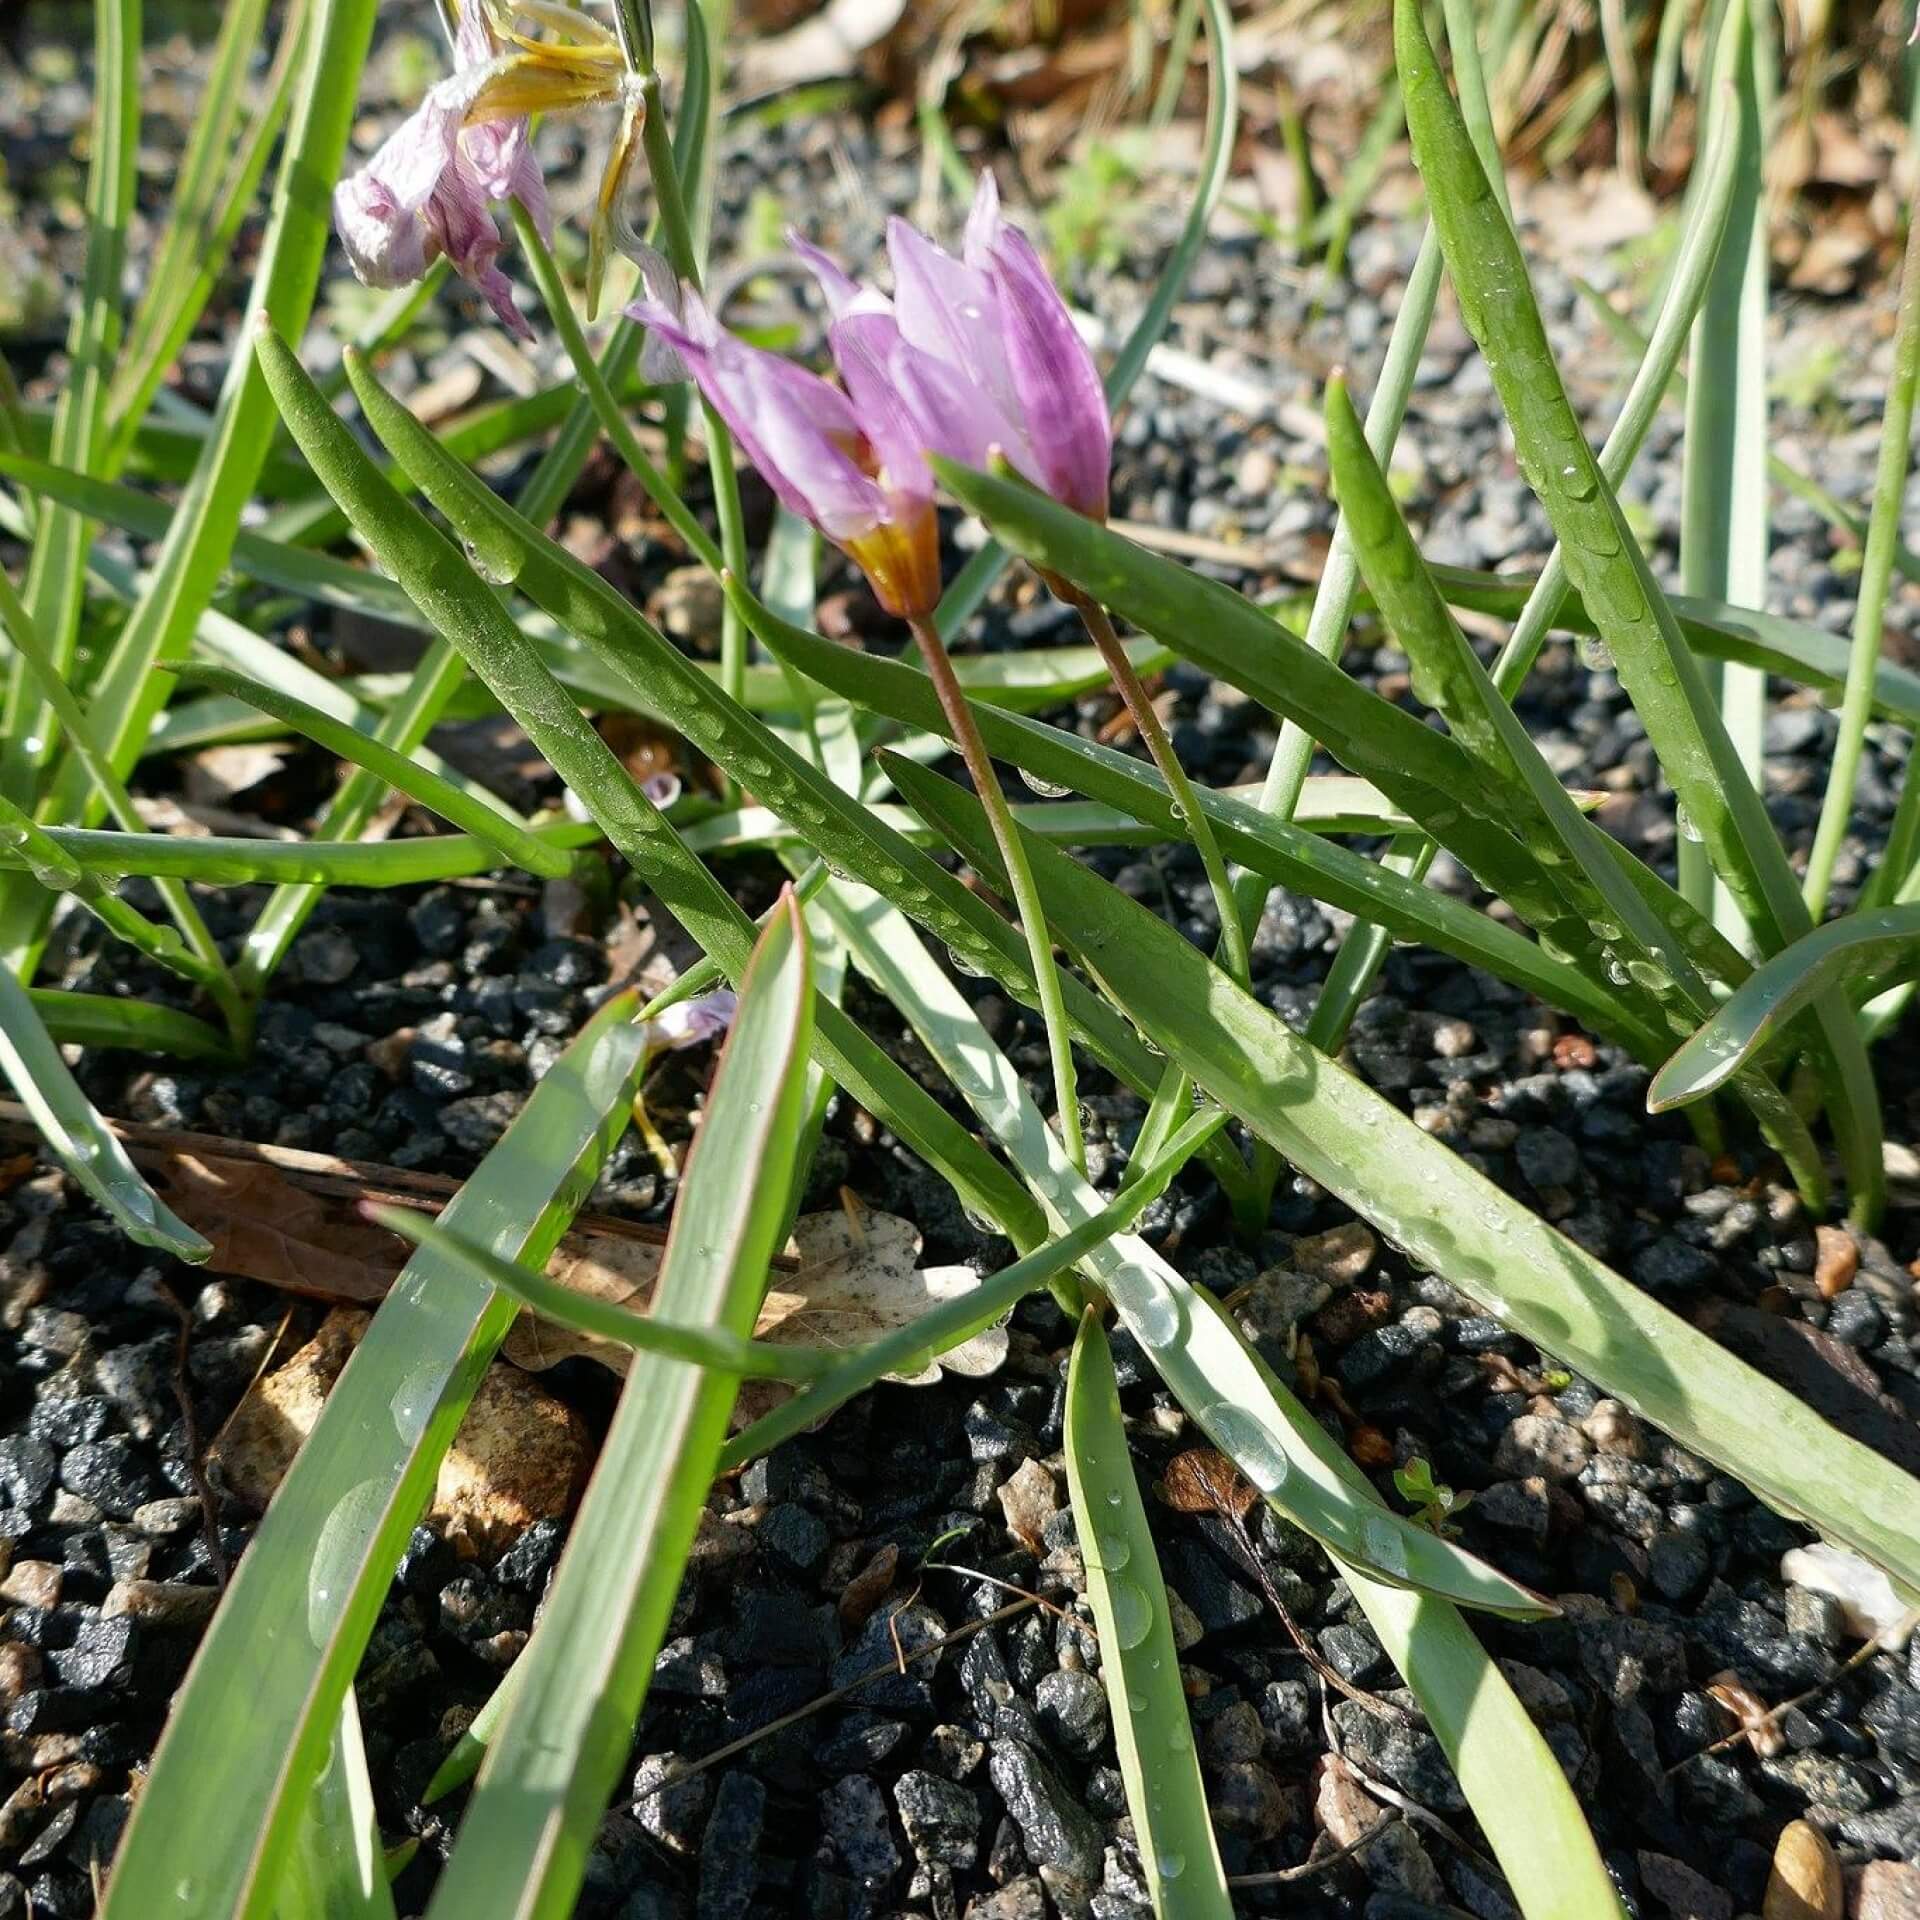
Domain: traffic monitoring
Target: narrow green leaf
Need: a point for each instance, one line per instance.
(1863, 952)
(1431, 778)
(1723, 528)
(1604, 561)
(85, 1144)
(1279, 850)
(219, 861)
(141, 1026)
(543, 1787)
(212, 196)
(56, 571)
(692, 1345)
(1139, 1662)
(1869, 615)
(1649, 944)
(212, 1828)
(513, 842)
(469, 613)
(337, 1870)
(1273, 1439)
(200, 536)
(1430, 1203)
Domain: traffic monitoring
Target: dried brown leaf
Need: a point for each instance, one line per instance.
(1203, 1481)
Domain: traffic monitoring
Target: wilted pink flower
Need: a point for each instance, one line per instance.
(855, 468)
(427, 190)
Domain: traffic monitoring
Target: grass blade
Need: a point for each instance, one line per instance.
(469, 612)
(83, 1142)
(1431, 778)
(1723, 532)
(1186, 1338)
(1646, 942)
(513, 842)
(200, 536)
(1863, 952)
(1604, 561)
(141, 1026)
(544, 1784)
(56, 571)
(337, 1870)
(213, 193)
(1139, 1663)
(212, 1829)
(1430, 1203)
(1279, 851)
(714, 1348)
(1869, 613)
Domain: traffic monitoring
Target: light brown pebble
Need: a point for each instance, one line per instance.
(1835, 1260)
(1886, 1890)
(1805, 1883)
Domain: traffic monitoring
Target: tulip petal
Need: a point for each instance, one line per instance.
(800, 433)
(950, 311)
(1061, 398)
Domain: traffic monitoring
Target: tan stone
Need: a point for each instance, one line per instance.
(520, 1454)
(1805, 1883)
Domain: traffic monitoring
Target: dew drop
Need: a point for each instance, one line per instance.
(1689, 828)
(338, 1555)
(1046, 789)
(1132, 1612)
(1384, 1546)
(413, 1403)
(1170, 1865)
(962, 964)
(1114, 1550)
(1595, 655)
(1250, 1446)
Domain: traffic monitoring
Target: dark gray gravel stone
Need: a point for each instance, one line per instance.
(940, 1816)
(853, 1814)
(1058, 1831)
(1073, 1712)
(730, 1850)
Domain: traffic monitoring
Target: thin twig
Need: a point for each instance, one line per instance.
(190, 1432)
(1285, 1876)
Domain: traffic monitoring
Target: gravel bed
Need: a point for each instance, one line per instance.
(980, 1783)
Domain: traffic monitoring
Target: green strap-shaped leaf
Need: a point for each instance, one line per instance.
(1275, 848)
(200, 535)
(467, 611)
(1427, 1201)
(1863, 952)
(56, 570)
(1604, 562)
(251, 1727)
(337, 1870)
(1272, 1437)
(1652, 949)
(141, 1026)
(569, 1724)
(515, 845)
(1429, 777)
(84, 1143)
(1139, 1662)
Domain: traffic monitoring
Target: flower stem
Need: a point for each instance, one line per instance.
(613, 422)
(1234, 953)
(1876, 571)
(1026, 898)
